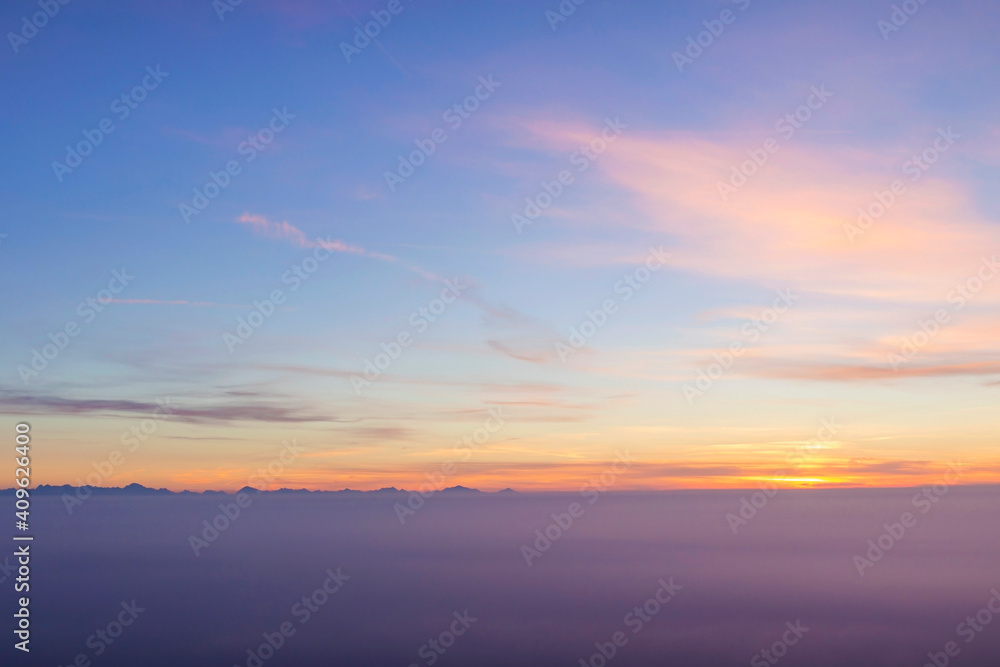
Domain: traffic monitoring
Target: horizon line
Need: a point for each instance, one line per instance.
(458, 489)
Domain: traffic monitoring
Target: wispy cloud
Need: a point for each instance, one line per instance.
(848, 373)
(258, 411)
(286, 231)
(523, 351)
(787, 224)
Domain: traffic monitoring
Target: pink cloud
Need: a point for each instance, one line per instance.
(786, 226)
(846, 373)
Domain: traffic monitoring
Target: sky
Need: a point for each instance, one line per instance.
(502, 244)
